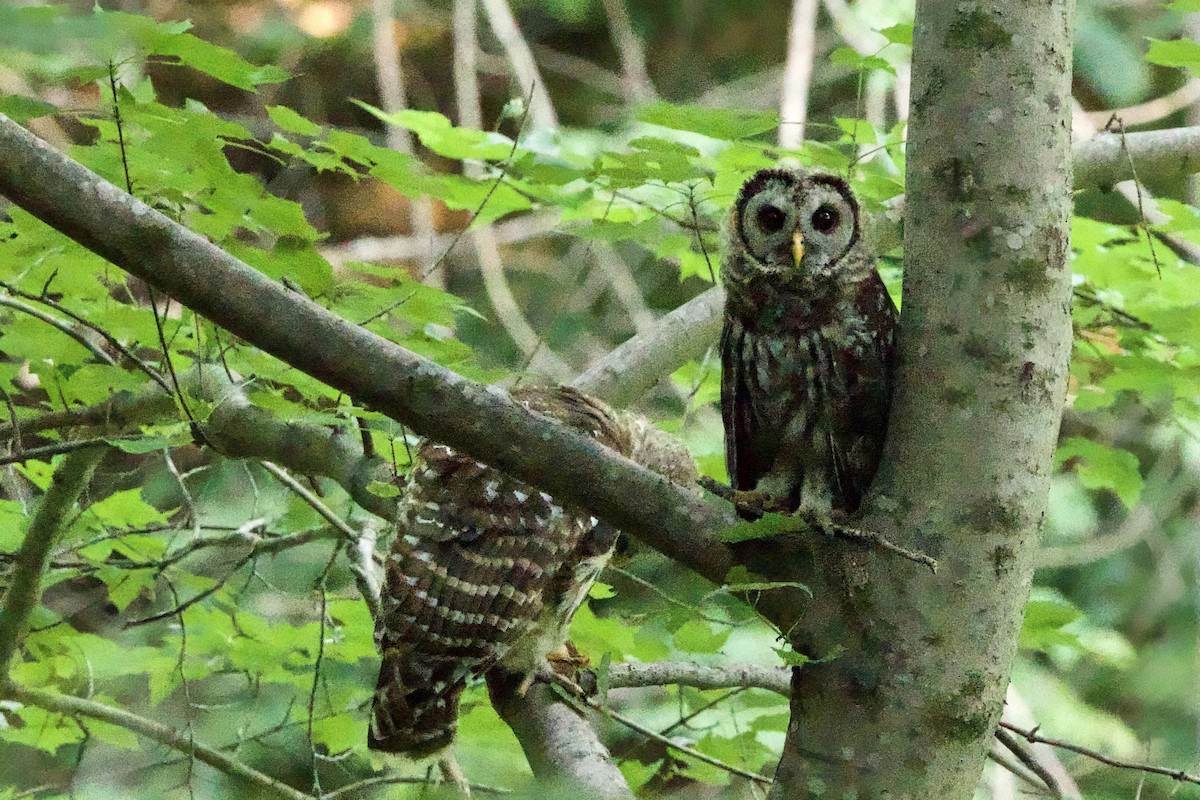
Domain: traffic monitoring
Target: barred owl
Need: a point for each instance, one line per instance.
(807, 347)
(487, 571)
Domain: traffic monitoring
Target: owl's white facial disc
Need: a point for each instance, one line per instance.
(785, 214)
(768, 218)
(827, 223)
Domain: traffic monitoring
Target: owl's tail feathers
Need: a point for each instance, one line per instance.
(415, 709)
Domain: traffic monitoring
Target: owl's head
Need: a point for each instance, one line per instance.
(789, 225)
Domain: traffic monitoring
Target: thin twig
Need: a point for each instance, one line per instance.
(1033, 737)
(113, 342)
(149, 729)
(645, 584)
(60, 326)
(152, 293)
(368, 587)
(1022, 754)
(316, 681)
(1115, 122)
(1116, 169)
(179, 608)
(575, 695)
(502, 171)
(699, 676)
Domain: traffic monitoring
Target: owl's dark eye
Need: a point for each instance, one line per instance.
(825, 219)
(771, 219)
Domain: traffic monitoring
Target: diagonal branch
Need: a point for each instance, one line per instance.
(559, 743)
(430, 399)
(149, 729)
(674, 339)
(25, 583)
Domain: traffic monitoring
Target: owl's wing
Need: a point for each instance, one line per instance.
(737, 412)
(867, 371)
(475, 555)
(765, 407)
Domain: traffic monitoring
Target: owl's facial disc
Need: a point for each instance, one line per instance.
(827, 222)
(768, 218)
(792, 222)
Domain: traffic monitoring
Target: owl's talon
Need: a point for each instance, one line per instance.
(757, 503)
(568, 659)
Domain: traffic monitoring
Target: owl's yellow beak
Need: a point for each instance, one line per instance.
(797, 247)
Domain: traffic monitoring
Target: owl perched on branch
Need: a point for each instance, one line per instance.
(487, 571)
(808, 345)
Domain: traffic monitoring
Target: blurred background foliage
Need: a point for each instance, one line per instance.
(602, 222)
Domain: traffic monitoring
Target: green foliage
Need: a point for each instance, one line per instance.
(247, 659)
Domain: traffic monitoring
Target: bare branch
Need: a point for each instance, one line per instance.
(542, 360)
(392, 97)
(676, 338)
(1042, 779)
(504, 25)
(149, 729)
(238, 428)
(682, 673)
(119, 412)
(25, 582)
(380, 248)
(580, 69)
(50, 450)
(560, 745)
(356, 789)
(1034, 737)
(634, 78)
(487, 249)
(797, 73)
(1152, 110)
(466, 57)
(1100, 160)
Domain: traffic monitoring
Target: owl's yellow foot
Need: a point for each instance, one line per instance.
(755, 503)
(567, 660)
(750, 504)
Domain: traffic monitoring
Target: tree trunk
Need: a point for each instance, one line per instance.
(908, 706)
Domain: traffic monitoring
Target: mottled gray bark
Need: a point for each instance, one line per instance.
(908, 708)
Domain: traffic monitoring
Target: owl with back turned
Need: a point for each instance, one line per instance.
(808, 345)
(486, 571)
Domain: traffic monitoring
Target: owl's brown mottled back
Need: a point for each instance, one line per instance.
(487, 570)
(808, 344)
